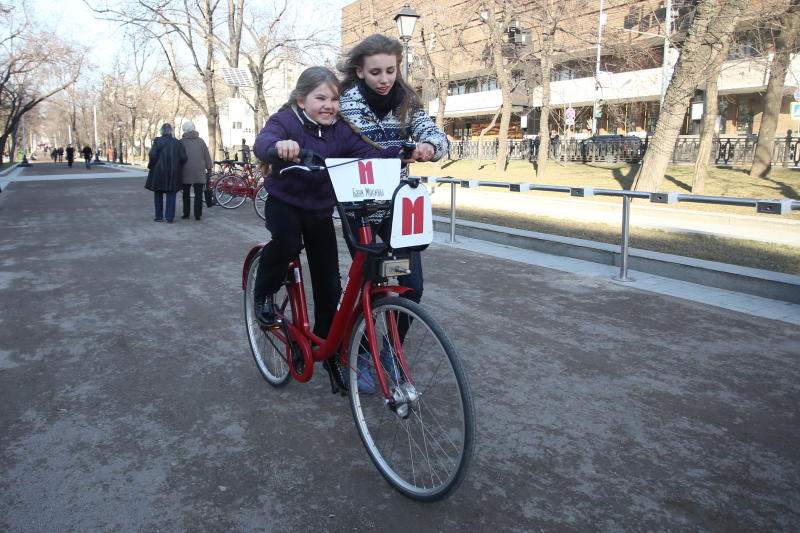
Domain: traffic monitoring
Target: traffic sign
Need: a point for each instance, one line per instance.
(795, 111)
(797, 95)
(570, 114)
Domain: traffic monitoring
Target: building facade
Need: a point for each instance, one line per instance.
(622, 78)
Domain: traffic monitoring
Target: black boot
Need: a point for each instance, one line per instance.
(335, 375)
(265, 314)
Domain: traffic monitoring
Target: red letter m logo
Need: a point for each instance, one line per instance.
(413, 215)
(365, 173)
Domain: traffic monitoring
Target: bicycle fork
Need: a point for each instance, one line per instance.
(401, 396)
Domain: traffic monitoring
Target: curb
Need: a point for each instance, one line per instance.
(763, 283)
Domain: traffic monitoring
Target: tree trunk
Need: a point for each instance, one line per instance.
(710, 114)
(504, 81)
(712, 26)
(546, 61)
(784, 45)
(480, 139)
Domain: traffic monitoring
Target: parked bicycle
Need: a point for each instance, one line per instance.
(418, 425)
(233, 190)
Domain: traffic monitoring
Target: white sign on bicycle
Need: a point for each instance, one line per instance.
(412, 219)
(366, 179)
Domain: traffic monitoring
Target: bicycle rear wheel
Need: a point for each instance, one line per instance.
(269, 347)
(422, 441)
(227, 191)
(259, 199)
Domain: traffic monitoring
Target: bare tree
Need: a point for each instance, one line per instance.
(34, 65)
(191, 27)
(710, 114)
(490, 13)
(785, 28)
(713, 24)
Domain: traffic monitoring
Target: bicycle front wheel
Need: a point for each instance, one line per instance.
(421, 441)
(259, 201)
(269, 347)
(227, 191)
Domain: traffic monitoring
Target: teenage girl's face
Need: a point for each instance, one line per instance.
(321, 104)
(379, 72)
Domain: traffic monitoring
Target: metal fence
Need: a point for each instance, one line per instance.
(630, 149)
(781, 206)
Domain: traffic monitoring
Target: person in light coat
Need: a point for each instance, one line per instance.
(195, 169)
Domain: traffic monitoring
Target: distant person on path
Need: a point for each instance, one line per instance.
(195, 169)
(60, 154)
(70, 155)
(167, 156)
(54, 155)
(87, 157)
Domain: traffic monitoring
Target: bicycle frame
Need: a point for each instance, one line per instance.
(356, 297)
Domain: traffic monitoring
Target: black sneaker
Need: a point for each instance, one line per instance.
(265, 314)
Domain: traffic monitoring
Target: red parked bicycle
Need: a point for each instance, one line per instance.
(418, 425)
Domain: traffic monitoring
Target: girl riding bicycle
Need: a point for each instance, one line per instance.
(386, 109)
(300, 203)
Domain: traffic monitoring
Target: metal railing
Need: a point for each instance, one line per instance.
(773, 206)
(629, 149)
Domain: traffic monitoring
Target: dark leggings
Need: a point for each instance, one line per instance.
(291, 227)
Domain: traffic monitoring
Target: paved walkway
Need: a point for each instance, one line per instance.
(130, 401)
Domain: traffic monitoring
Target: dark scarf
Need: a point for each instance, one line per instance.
(381, 104)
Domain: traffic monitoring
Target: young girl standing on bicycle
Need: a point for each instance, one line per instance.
(386, 109)
(300, 203)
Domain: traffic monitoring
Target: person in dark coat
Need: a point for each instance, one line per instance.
(60, 153)
(70, 155)
(87, 156)
(165, 175)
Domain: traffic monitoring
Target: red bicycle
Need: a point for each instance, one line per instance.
(232, 190)
(418, 425)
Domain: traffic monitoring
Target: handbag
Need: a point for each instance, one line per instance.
(208, 195)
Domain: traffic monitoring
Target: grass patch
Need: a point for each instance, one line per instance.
(726, 182)
(766, 256)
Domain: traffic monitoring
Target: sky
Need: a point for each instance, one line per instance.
(73, 20)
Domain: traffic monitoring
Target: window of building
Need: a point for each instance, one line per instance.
(744, 119)
(488, 85)
(236, 125)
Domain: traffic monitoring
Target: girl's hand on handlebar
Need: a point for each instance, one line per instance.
(423, 152)
(288, 150)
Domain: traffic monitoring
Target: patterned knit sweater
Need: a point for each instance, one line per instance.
(388, 131)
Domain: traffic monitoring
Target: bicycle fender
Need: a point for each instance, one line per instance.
(248, 260)
(384, 291)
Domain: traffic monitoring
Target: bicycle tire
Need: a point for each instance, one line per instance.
(268, 348)
(225, 197)
(259, 201)
(426, 455)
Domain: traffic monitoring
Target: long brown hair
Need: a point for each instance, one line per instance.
(379, 44)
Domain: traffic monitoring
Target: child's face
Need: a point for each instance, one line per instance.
(321, 104)
(379, 72)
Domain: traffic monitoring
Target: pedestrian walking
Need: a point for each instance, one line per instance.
(70, 155)
(195, 170)
(87, 157)
(60, 154)
(54, 155)
(164, 177)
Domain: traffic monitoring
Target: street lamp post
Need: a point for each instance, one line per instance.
(406, 19)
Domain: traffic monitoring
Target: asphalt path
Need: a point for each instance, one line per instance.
(130, 401)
